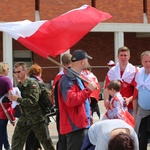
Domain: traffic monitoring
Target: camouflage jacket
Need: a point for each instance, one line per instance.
(29, 107)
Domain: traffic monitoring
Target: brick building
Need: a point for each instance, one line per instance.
(128, 26)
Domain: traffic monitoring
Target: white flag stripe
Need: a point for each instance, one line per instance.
(23, 29)
(26, 28)
(82, 7)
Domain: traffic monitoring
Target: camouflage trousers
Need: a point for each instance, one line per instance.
(21, 133)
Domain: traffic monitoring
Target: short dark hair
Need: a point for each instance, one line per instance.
(66, 59)
(114, 84)
(121, 141)
(22, 64)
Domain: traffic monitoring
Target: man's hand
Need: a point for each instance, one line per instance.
(12, 97)
(106, 101)
(106, 104)
(92, 86)
(127, 101)
(91, 120)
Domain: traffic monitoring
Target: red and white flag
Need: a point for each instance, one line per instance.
(53, 37)
(89, 76)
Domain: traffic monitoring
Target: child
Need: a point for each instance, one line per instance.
(117, 110)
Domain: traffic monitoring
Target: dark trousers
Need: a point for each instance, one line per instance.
(94, 106)
(62, 140)
(32, 142)
(6, 142)
(75, 139)
(87, 145)
(3, 132)
(144, 133)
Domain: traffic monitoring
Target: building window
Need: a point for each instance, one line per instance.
(37, 4)
(94, 3)
(144, 6)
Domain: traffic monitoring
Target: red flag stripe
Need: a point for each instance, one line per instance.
(53, 37)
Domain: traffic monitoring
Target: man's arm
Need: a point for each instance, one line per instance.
(30, 95)
(135, 108)
(106, 98)
(106, 94)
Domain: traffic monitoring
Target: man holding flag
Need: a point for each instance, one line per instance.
(74, 105)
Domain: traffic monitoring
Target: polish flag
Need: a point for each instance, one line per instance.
(53, 37)
(89, 76)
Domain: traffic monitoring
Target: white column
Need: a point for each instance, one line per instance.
(7, 52)
(119, 41)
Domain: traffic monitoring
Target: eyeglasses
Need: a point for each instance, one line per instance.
(17, 71)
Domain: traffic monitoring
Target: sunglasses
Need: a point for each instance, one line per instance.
(17, 71)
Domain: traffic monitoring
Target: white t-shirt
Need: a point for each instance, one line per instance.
(99, 133)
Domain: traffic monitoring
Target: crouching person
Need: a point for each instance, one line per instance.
(111, 134)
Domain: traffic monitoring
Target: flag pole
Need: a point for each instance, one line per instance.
(4, 109)
(59, 64)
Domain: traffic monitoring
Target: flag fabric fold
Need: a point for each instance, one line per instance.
(53, 37)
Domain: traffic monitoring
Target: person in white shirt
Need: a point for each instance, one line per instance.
(142, 127)
(111, 134)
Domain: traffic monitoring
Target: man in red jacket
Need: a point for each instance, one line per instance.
(74, 105)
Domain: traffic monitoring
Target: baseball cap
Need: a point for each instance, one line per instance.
(111, 63)
(79, 55)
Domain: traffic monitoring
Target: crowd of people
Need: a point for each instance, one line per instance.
(75, 95)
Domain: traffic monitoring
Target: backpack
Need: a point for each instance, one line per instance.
(55, 92)
(45, 101)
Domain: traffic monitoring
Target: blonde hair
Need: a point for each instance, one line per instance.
(124, 49)
(3, 67)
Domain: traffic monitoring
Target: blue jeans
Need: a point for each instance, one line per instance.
(3, 133)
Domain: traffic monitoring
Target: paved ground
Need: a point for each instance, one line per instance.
(52, 126)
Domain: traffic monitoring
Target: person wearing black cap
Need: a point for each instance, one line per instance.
(79, 55)
(74, 106)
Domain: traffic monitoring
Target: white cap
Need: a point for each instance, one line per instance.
(111, 63)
